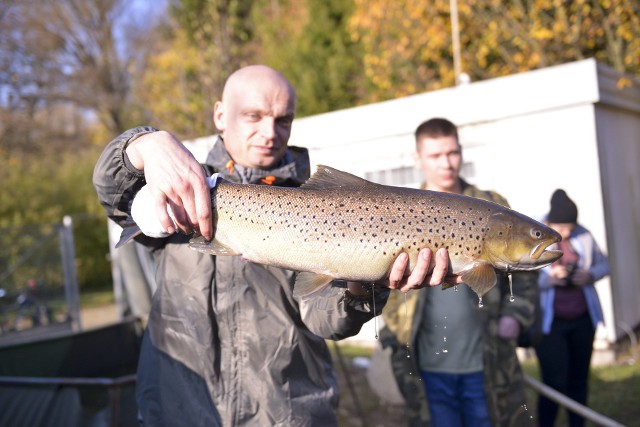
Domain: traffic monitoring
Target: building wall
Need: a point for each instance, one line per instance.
(524, 136)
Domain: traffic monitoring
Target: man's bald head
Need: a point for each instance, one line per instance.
(250, 75)
(255, 116)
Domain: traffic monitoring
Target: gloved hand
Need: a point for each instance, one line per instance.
(508, 327)
(143, 211)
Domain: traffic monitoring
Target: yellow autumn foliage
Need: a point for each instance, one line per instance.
(408, 43)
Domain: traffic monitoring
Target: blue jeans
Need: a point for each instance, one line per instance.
(456, 400)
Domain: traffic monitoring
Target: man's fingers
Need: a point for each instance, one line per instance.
(419, 273)
(441, 267)
(166, 222)
(398, 269)
(203, 211)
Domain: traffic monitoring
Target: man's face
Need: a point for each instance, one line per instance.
(440, 160)
(255, 119)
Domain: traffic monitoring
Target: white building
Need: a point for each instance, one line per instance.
(569, 126)
(524, 135)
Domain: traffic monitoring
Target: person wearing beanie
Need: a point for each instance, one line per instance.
(570, 310)
(563, 210)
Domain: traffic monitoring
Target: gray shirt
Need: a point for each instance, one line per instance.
(450, 335)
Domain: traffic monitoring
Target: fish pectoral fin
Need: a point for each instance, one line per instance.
(213, 247)
(308, 284)
(480, 278)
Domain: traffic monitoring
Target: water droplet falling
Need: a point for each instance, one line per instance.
(406, 323)
(511, 297)
(375, 318)
(480, 303)
(444, 337)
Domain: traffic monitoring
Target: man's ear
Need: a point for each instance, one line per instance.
(219, 117)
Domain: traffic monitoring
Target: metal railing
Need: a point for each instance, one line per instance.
(571, 404)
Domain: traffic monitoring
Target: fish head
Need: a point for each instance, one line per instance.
(515, 242)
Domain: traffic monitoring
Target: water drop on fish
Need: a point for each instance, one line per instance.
(455, 288)
(444, 350)
(480, 304)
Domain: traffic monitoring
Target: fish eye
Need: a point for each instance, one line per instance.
(535, 233)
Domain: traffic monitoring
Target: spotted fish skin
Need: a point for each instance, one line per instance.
(339, 226)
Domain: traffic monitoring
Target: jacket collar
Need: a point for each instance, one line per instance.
(292, 171)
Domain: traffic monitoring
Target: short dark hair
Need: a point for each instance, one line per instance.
(435, 128)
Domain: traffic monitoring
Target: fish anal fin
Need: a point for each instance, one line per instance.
(328, 177)
(308, 284)
(213, 247)
(481, 278)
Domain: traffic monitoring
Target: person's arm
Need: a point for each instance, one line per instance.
(175, 179)
(115, 179)
(599, 267)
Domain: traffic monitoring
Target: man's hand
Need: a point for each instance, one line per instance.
(423, 274)
(508, 328)
(175, 179)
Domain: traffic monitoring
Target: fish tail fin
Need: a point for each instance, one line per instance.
(128, 233)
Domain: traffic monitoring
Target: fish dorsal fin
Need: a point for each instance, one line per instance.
(213, 247)
(481, 277)
(308, 284)
(328, 177)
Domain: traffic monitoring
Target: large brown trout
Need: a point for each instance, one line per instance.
(340, 226)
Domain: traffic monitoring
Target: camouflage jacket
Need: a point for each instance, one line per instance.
(504, 383)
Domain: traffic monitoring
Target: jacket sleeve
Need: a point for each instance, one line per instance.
(115, 180)
(599, 267)
(335, 314)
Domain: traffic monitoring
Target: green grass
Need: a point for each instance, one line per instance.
(613, 390)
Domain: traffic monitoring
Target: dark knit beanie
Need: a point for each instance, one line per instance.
(563, 210)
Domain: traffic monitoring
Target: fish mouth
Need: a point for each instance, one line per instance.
(542, 255)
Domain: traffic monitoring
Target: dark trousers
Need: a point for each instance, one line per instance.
(565, 356)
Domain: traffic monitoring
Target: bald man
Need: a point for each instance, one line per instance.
(226, 341)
